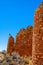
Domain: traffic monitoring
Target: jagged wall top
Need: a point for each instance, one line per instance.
(39, 8)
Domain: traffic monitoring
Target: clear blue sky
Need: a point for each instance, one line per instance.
(14, 15)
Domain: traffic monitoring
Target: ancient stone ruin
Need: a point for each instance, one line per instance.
(29, 41)
(10, 46)
(23, 44)
(24, 41)
(37, 50)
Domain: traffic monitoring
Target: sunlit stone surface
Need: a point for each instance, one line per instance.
(37, 55)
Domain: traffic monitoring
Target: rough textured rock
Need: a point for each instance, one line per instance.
(37, 55)
(10, 46)
(24, 41)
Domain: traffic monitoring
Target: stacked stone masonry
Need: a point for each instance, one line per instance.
(10, 46)
(29, 41)
(23, 44)
(24, 41)
(37, 47)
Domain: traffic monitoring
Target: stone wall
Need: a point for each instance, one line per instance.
(24, 41)
(23, 44)
(10, 46)
(37, 49)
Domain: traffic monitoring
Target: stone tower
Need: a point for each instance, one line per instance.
(10, 46)
(37, 47)
(24, 41)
